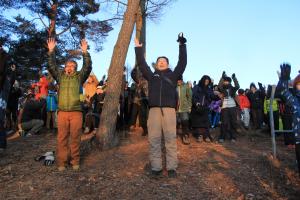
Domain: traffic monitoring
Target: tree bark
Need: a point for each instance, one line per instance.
(106, 134)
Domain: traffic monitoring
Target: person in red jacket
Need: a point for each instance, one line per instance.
(41, 87)
(245, 107)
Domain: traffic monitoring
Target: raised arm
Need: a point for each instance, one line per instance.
(182, 61)
(52, 67)
(283, 87)
(141, 62)
(87, 62)
(236, 83)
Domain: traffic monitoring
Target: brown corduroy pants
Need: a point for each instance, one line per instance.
(69, 125)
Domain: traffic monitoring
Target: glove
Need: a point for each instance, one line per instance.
(49, 158)
(285, 72)
(181, 39)
(223, 74)
(260, 86)
(233, 76)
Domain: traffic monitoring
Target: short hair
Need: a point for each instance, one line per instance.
(162, 57)
(71, 61)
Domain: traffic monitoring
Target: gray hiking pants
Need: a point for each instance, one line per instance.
(162, 120)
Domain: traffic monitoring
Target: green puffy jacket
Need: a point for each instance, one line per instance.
(184, 98)
(69, 85)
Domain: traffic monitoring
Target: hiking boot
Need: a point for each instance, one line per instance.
(185, 140)
(172, 173)
(76, 167)
(61, 168)
(156, 174)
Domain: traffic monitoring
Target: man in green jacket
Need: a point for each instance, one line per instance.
(69, 119)
(184, 105)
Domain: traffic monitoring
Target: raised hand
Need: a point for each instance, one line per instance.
(285, 71)
(51, 44)
(83, 45)
(13, 67)
(223, 74)
(181, 39)
(233, 76)
(137, 43)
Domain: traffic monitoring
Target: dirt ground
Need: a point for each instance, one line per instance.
(241, 170)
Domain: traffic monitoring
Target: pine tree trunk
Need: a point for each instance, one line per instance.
(106, 134)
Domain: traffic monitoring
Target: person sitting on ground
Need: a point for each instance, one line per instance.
(162, 103)
(29, 120)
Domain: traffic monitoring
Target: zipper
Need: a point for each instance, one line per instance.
(160, 96)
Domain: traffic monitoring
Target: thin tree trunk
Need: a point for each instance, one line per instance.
(106, 134)
(51, 29)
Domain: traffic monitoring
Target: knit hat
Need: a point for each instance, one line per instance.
(296, 80)
(253, 85)
(227, 79)
(241, 91)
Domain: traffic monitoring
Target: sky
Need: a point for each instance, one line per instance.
(250, 38)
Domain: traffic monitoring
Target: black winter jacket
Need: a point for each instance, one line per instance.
(162, 84)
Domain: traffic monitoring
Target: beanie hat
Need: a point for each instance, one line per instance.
(296, 80)
(253, 85)
(241, 91)
(227, 79)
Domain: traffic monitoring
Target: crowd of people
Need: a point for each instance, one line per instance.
(71, 102)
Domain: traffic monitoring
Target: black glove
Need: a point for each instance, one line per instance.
(260, 86)
(285, 71)
(233, 76)
(223, 74)
(181, 39)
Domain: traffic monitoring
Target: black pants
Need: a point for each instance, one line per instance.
(229, 123)
(142, 111)
(275, 119)
(256, 118)
(287, 122)
(3, 142)
(297, 148)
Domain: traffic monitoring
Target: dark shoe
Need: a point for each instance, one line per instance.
(185, 140)
(156, 174)
(172, 174)
(145, 133)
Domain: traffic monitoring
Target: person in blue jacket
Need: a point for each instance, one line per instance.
(293, 100)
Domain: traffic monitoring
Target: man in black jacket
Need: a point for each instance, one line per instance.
(256, 98)
(162, 103)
